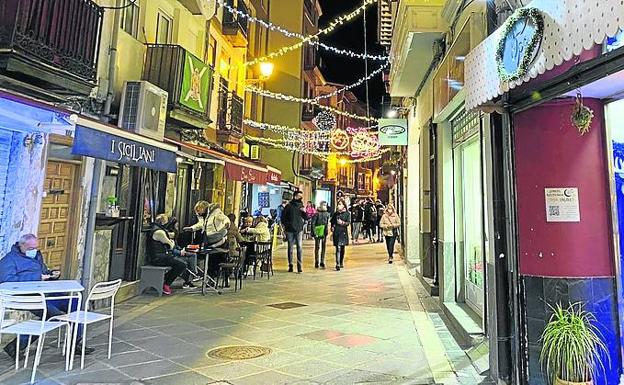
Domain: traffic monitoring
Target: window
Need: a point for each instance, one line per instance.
(211, 53)
(164, 29)
(130, 18)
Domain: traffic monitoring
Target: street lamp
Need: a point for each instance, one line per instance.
(343, 162)
(266, 69)
(392, 113)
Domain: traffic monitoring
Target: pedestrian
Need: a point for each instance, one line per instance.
(340, 232)
(370, 219)
(357, 218)
(293, 220)
(214, 224)
(380, 212)
(320, 228)
(390, 223)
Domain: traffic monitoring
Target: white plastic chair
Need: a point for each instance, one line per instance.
(101, 291)
(39, 328)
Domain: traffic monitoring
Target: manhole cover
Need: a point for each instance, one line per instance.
(287, 305)
(239, 352)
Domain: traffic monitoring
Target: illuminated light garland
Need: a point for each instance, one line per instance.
(332, 26)
(340, 139)
(280, 96)
(325, 121)
(364, 144)
(287, 33)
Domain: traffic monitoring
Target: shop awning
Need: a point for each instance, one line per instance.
(107, 142)
(236, 168)
(569, 29)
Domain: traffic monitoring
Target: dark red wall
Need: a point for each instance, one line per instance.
(550, 153)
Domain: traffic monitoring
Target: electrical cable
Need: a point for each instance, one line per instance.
(129, 4)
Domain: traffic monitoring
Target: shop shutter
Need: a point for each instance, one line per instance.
(465, 125)
(5, 152)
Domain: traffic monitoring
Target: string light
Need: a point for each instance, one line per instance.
(325, 121)
(332, 26)
(346, 52)
(339, 139)
(323, 155)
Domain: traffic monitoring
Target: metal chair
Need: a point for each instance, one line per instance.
(263, 254)
(30, 303)
(235, 266)
(101, 291)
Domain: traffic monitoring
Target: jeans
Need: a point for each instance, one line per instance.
(295, 238)
(356, 229)
(340, 254)
(55, 307)
(369, 228)
(191, 262)
(390, 245)
(319, 248)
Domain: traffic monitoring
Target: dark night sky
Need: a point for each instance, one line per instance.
(342, 69)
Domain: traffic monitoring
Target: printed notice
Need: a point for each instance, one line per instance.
(562, 205)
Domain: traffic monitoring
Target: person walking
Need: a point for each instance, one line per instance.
(310, 212)
(340, 232)
(320, 228)
(357, 217)
(390, 223)
(370, 220)
(293, 220)
(380, 212)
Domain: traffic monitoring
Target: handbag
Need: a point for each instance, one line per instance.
(319, 231)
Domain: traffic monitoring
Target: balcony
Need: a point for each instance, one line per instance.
(311, 11)
(309, 112)
(229, 116)
(52, 45)
(310, 58)
(235, 27)
(187, 79)
(418, 24)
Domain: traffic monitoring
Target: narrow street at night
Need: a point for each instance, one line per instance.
(370, 323)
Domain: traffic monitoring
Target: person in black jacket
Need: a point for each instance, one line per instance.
(370, 220)
(340, 229)
(357, 217)
(320, 228)
(293, 220)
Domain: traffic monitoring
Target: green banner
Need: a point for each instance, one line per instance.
(196, 84)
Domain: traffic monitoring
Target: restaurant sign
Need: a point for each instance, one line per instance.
(393, 132)
(106, 146)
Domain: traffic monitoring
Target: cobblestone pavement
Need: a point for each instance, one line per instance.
(371, 323)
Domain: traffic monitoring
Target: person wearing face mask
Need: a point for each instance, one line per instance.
(390, 224)
(340, 228)
(24, 263)
(293, 220)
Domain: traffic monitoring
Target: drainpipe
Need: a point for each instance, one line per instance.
(87, 263)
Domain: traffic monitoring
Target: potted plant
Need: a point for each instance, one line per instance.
(112, 210)
(573, 350)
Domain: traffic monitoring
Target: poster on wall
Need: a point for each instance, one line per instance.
(393, 132)
(562, 204)
(263, 200)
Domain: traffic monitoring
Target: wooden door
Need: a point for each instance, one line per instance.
(58, 204)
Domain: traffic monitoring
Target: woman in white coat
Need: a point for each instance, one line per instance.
(390, 224)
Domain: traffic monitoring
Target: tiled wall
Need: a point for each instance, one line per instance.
(598, 296)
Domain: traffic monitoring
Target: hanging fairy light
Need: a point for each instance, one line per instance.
(364, 144)
(339, 139)
(325, 121)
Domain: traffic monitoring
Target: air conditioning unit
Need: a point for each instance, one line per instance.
(143, 109)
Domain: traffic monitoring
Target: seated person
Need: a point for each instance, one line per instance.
(160, 252)
(260, 231)
(160, 233)
(234, 237)
(248, 222)
(25, 263)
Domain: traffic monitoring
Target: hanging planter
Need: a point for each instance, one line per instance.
(582, 116)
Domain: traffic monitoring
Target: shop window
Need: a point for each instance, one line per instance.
(130, 18)
(164, 29)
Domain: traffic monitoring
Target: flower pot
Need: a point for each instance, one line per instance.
(564, 382)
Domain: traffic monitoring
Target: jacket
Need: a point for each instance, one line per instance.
(390, 223)
(17, 267)
(357, 214)
(215, 223)
(261, 232)
(234, 239)
(370, 212)
(159, 245)
(321, 218)
(340, 234)
(293, 217)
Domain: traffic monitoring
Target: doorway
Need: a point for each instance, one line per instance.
(55, 224)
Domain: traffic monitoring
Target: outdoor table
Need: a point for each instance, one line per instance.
(207, 252)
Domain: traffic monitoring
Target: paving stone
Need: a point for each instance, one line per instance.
(152, 369)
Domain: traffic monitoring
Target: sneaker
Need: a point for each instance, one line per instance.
(167, 290)
(342, 265)
(390, 261)
(337, 268)
(322, 266)
(290, 268)
(316, 265)
(187, 285)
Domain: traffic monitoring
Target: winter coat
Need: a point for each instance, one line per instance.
(321, 218)
(215, 223)
(17, 267)
(340, 234)
(389, 224)
(310, 212)
(293, 218)
(357, 213)
(370, 213)
(234, 239)
(261, 232)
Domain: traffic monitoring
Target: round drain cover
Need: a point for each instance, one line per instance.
(239, 352)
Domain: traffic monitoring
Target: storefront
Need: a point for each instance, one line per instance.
(268, 196)
(561, 168)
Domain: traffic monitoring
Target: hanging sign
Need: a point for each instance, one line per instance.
(196, 81)
(393, 132)
(102, 145)
(562, 205)
(519, 43)
(244, 174)
(273, 177)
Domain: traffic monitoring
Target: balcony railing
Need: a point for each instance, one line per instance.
(63, 34)
(309, 58)
(230, 113)
(310, 9)
(233, 24)
(187, 79)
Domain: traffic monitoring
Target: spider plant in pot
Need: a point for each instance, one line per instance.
(573, 350)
